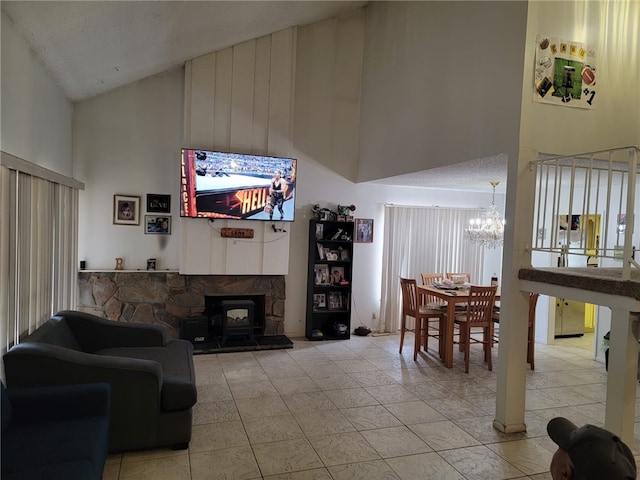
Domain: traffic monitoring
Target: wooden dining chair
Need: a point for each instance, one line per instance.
(478, 315)
(531, 327)
(429, 279)
(411, 307)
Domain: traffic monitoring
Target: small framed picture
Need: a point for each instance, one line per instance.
(364, 230)
(157, 225)
(126, 210)
(344, 255)
(337, 275)
(335, 301)
(319, 300)
(322, 274)
(158, 203)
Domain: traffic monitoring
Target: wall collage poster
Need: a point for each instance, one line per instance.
(565, 73)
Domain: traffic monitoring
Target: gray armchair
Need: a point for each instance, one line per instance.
(152, 380)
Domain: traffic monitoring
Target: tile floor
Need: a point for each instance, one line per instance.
(356, 409)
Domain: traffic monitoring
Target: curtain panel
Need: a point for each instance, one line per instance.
(423, 240)
(38, 250)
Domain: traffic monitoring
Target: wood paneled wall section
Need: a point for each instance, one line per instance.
(239, 99)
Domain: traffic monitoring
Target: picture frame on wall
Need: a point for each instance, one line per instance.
(157, 203)
(364, 230)
(126, 210)
(157, 225)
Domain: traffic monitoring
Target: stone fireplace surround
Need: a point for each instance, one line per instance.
(166, 298)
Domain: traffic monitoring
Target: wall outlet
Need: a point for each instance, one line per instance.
(373, 315)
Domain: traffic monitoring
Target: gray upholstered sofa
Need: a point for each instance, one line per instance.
(152, 380)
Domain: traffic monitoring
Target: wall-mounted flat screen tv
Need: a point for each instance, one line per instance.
(237, 186)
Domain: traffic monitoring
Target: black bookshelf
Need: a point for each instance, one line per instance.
(330, 260)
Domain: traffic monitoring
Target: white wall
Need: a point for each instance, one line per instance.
(36, 116)
(128, 142)
(440, 84)
(240, 99)
(615, 121)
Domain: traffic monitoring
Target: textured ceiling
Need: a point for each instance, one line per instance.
(473, 175)
(91, 47)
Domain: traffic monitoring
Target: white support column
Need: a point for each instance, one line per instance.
(622, 376)
(512, 364)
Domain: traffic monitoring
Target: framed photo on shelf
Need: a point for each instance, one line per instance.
(344, 255)
(158, 203)
(337, 275)
(320, 251)
(335, 301)
(319, 301)
(364, 230)
(321, 274)
(157, 225)
(319, 231)
(126, 210)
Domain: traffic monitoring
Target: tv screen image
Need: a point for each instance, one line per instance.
(237, 186)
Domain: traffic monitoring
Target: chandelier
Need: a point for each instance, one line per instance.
(487, 231)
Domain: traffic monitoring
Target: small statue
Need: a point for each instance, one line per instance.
(119, 263)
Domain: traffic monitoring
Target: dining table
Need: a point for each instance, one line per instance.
(452, 296)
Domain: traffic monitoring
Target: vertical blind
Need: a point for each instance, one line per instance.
(38, 251)
(423, 240)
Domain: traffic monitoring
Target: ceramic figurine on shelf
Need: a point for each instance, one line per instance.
(119, 263)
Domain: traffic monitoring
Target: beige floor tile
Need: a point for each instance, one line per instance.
(213, 412)
(372, 470)
(253, 389)
(217, 436)
(372, 379)
(334, 382)
(480, 463)
(214, 392)
(531, 456)
(250, 408)
(291, 385)
(368, 418)
(395, 441)
(228, 464)
(443, 435)
(315, 474)
(481, 428)
(411, 413)
(351, 397)
(323, 423)
(272, 429)
(164, 468)
(454, 407)
(343, 448)
(286, 456)
(424, 466)
(308, 402)
(391, 394)
(151, 454)
(428, 390)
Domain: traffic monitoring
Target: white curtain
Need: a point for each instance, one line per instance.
(423, 240)
(38, 248)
